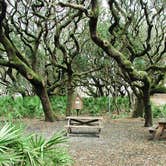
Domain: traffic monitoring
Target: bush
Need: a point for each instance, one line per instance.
(31, 106)
(32, 150)
(98, 106)
(20, 107)
(58, 104)
(159, 111)
(95, 106)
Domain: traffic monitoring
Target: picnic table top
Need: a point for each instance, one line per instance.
(85, 117)
(162, 122)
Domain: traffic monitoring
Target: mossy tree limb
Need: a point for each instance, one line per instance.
(125, 65)
(17, 61)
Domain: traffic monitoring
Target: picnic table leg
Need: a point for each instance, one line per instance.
(159, 132)
(69, 129)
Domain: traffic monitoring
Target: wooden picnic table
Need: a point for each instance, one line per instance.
(86, 122)
(158, 131)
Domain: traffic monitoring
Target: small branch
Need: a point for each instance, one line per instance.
(75, 6)
(157, 68)
(5, 63)
(87, 72)
(76, 52)
(5, 84)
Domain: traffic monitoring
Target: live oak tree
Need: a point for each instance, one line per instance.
(137, 31)
(140, 80)
(144, 41)
(65, 44)
(108, 80)
(41, 41)
(17, 19)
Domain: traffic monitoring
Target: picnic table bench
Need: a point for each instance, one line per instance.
(158, 131)
(81, 122)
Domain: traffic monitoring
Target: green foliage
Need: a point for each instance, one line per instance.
(121, 115)
(140, 63)
(123, 103)
(32, 150)
(58, 104)
(31, 107)
(95, 105)
(158, 89)
(20, 107)
(98, 106)
(159, 111)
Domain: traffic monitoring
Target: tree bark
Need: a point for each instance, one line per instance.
(148, 110)
(146, 100)
(138, 107)
(70, 92)
(48, 112)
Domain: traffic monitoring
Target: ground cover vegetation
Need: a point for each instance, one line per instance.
(32, 150)
(31, 107)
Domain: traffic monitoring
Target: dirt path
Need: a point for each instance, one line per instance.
(123, 142)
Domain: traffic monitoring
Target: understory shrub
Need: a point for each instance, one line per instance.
(31, 150)
(19, 107)
(159, 111)
(58, 104)
(30, 106)
(101, 105)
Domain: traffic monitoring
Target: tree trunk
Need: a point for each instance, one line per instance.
(70, 92)
(100, 89)
(138, 107)
(114, 102)
(148, 110)
(48, 112)
(21, 64)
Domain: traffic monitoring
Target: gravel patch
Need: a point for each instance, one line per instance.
(122, 142)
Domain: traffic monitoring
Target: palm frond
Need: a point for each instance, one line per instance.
(57, 138)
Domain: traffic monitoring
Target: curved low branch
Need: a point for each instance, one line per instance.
(157, 68)
(5, 63)
(75, 6)
(124, 64)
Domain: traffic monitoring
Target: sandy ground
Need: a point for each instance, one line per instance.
(122, 142)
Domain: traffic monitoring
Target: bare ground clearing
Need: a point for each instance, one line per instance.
(123, 142)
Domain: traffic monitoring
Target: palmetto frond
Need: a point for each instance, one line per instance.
(31, 150)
